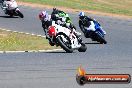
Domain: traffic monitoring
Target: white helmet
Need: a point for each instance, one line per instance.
(42, 15)
(81, 14)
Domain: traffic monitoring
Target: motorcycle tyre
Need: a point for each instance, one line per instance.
(83, 48)
(101, 39)
(20, 14)
(67, 49)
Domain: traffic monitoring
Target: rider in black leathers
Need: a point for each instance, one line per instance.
(87, 23)
(58, 16)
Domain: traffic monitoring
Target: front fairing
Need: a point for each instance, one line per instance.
(98, 28)
(62, 30)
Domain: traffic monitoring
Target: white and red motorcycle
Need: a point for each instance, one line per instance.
(11, 8)
(64, 38)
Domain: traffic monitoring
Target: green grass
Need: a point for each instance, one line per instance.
(123, 7)
(19, 41)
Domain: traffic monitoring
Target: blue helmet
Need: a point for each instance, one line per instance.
(81, 14)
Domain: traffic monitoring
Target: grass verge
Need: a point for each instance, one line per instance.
(13, 41)
(108, 6)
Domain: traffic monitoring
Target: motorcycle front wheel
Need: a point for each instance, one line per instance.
(101, 39)
(65, 44)
(20, 14)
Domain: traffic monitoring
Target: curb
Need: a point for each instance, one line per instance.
(31, 51)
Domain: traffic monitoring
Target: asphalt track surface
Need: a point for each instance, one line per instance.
(58, 69)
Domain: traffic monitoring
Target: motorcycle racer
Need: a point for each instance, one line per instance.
(45, 18)
(46, 22)
(88, 23)
(63, 19)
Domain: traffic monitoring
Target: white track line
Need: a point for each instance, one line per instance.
(21, 32)
(52, 50)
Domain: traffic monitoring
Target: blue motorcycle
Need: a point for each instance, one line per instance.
(97, 35)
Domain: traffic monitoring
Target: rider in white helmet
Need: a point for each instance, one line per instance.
(46, 22)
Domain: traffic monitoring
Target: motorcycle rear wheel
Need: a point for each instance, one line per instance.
(83, 48)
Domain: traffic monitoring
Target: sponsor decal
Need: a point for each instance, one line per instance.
(83, 78)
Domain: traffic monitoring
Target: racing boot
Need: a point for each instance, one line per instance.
(78, 35)
(80, 39)
(47, 37)
(51, 43)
